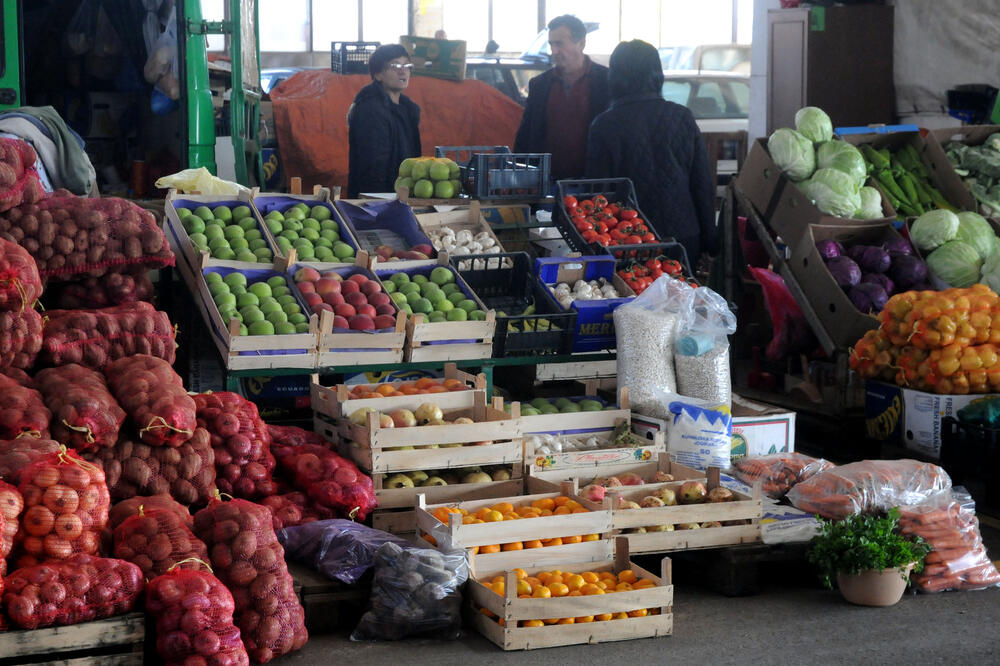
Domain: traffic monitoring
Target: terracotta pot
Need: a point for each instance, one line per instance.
(874, 588)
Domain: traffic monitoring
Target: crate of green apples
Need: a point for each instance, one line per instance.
(257, 319)
(446, 321)
(573, 415)
(310, 228)
(217, 231)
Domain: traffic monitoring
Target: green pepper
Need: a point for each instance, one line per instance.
(906, 182)
(913, 158)
(938, 199)
(876, 159)
(922, 194)
(887, 181)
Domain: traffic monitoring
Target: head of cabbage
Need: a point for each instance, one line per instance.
(871, 204)
(833, 192)
(933, 229)
(813, 123)
(844, 157)
(793, 153)
(956, 263)
(975, 231)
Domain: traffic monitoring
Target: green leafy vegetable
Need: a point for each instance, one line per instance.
(833, 191)
(975, 231)
(844, 157)
(813, 123)
(933, 229)
(956, 263)
(793, 153)
(990, 272)
(871, 204)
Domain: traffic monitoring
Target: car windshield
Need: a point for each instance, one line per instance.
(710, 98)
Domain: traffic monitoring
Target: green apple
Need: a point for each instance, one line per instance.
(442, 276)
(261, 328)
(284, 328)
(252, 314)
(420, 279)
(477, 315)
(343, 250)
(399, 279)
(320, 213)
(204, 212)
(467, 304)
(233, 231)
(261, 289)
(225, 300)
(212, 277)
(248, 298)
(222, 213)
(457, 314)
(183, 213)
(241, 212)
(235, 278)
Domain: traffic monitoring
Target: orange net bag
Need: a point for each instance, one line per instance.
(157, 541)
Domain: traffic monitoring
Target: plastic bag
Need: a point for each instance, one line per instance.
(339, 549)
(247, 557)
(645, 329)
(699, 436)
(330, 481)
(20, 285)
(868, 486)
(22, 411)
(95, 338)
(100, 292)
(90, 588)
(779, 471)
(242, 444)
(20, 338)
(157, 541)
(194, 620)
(791, 331)
(11, 506)
(701, 353)
(153, 396)
(199, 181)
(16, 455)
(981, 411)
(84, 413)
(415, 592)
(947, 521)
(161, 68)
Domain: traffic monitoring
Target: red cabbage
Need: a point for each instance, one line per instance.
(881, 280)
(844, 271)
(870, 258)
(868, 298)
(907, 271)
(897, 245)
(828, 249)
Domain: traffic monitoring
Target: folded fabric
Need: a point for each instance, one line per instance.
(70, 166)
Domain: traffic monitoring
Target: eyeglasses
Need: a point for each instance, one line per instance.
(399, 66)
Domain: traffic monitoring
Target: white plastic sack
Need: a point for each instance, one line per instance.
(199, 181)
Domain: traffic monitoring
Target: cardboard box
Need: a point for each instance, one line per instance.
(758, 428)
(909, 417)
(971, 135)
(440, 58)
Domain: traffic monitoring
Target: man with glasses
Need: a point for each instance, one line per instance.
(383, 123)
(563, 101)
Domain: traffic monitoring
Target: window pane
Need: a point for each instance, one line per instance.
(641, 20)
(676, 92)
(744, 22)
(515, 24)
(384, 20)
(214, 10)
(606, 37)
(284, 25)
(334, 21)
(692, 23)
(468, 20)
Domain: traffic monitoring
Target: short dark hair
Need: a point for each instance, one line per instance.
(383, 55)
(634, 68)
(577, 30)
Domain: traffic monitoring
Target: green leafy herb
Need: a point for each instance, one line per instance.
(861, 543)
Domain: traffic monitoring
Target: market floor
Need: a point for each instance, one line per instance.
(789, 621)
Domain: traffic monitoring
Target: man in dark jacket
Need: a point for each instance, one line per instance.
(657, 144)
(383, 123)
(563, 101)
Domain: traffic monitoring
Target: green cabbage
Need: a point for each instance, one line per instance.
(990, 273)
(813, 123)
(956, 263)
(975, 231)
(871, 204)
(933, 229)
(844, 157)
(833, 192)
(793, 153)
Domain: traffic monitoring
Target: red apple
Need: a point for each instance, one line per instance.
(386, 421)
(370, 288)
(385, 321)
(403, 418)
(306, 275)
(340, 322)
(349, 287)
(327, 286)
(423, 248)
(361, 323)
(384, 250)
(345, 310)
(313, 299)
(333, 299)
(412, 255)
(356, 299)
(692, 492)
(360, 278)
(385, 309)
(306, 287)
(333, 275)
(320, 307)
(366, 309)
(379, 298)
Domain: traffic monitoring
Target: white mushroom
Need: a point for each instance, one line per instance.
(493, 249)
(473, 247)
(463, 237)
(447, 231)
(580, 284)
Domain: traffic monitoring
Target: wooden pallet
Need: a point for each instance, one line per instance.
(114, 641)
(329, 605)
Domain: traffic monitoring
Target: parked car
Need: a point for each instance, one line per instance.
(713, 57)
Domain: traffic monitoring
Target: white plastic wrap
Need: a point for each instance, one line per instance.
(779, 471)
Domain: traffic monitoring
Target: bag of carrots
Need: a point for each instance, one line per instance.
(868, 486)
(779, 471)
(947, 521)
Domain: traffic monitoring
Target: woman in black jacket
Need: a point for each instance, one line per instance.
(383, 123)
(658, 145)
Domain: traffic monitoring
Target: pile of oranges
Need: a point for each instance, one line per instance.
(422, 386)
(546, 506)
(556, 583)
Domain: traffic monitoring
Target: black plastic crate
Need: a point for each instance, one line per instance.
(351, 57)
(464, 156)
(510, 176)
(512, 285)
(616, 190)
(628, 254)
(970, 453)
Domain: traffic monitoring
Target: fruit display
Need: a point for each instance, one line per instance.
(526, 319)
(904, 179)
(264, 305)
(84, 413)
(607, 223)
(638, 275)
(157, 541)
(94, 338)
(871, 273)
(153, 396)
(422, 386)
(447, 477)
(429, 178)
(418, 252)
(562, 405)
(357, 300)
(547, 444)
(22, 411)
(437, 293)
(463, 241)
(227, 233)
(313, 232)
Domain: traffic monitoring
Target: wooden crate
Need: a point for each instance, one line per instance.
(465, 219)
(395, 521)
(594, 461)
(362, 347)
(250, 352)
(335, 401)
(329, 605)
(376, 449)
(390, 498)
(544, 478)
(576, 422)
(264, 202)
(113, 641)
(512, 609)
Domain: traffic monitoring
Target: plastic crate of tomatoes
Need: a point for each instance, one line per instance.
(640, 265)
(596, 215)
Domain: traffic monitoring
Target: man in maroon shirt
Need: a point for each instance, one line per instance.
(563, 101)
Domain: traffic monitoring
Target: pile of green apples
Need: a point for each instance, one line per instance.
(263, 307)
(562, 406)
(527, 325)
(226, 234)
(313, 232)
(436, 296)
(446, 477)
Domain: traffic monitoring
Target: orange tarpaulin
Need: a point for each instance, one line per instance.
(310, 116)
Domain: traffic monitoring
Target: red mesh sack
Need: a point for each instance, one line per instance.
(22, 411)
(122, 511)
(20, 338)
(16, 455)
(101, 292)
(186, 473)
(76, 237)
(27, 189)
(154, 398)
(193, 611)
(242, 444)
(11, 506)
(292, 509)
(82, 588)
(247, 557)
(65, 508)
(294, 436)
(20, 285)
(778, 471)
(330, 481)
(19, 376)
(157, 541)
(19, 181)
(94, 338)
(84, 413)
(791, 331)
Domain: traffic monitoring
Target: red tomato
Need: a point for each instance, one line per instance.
(616, 234)
(613, 208)
(672, 267)
(628, 214)
(603, 239)
(569, 201)
(653, 264)
(590, 236)
(600, 201)
(633, 240)
(586, 206)
(648, 238)
(601, 227)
